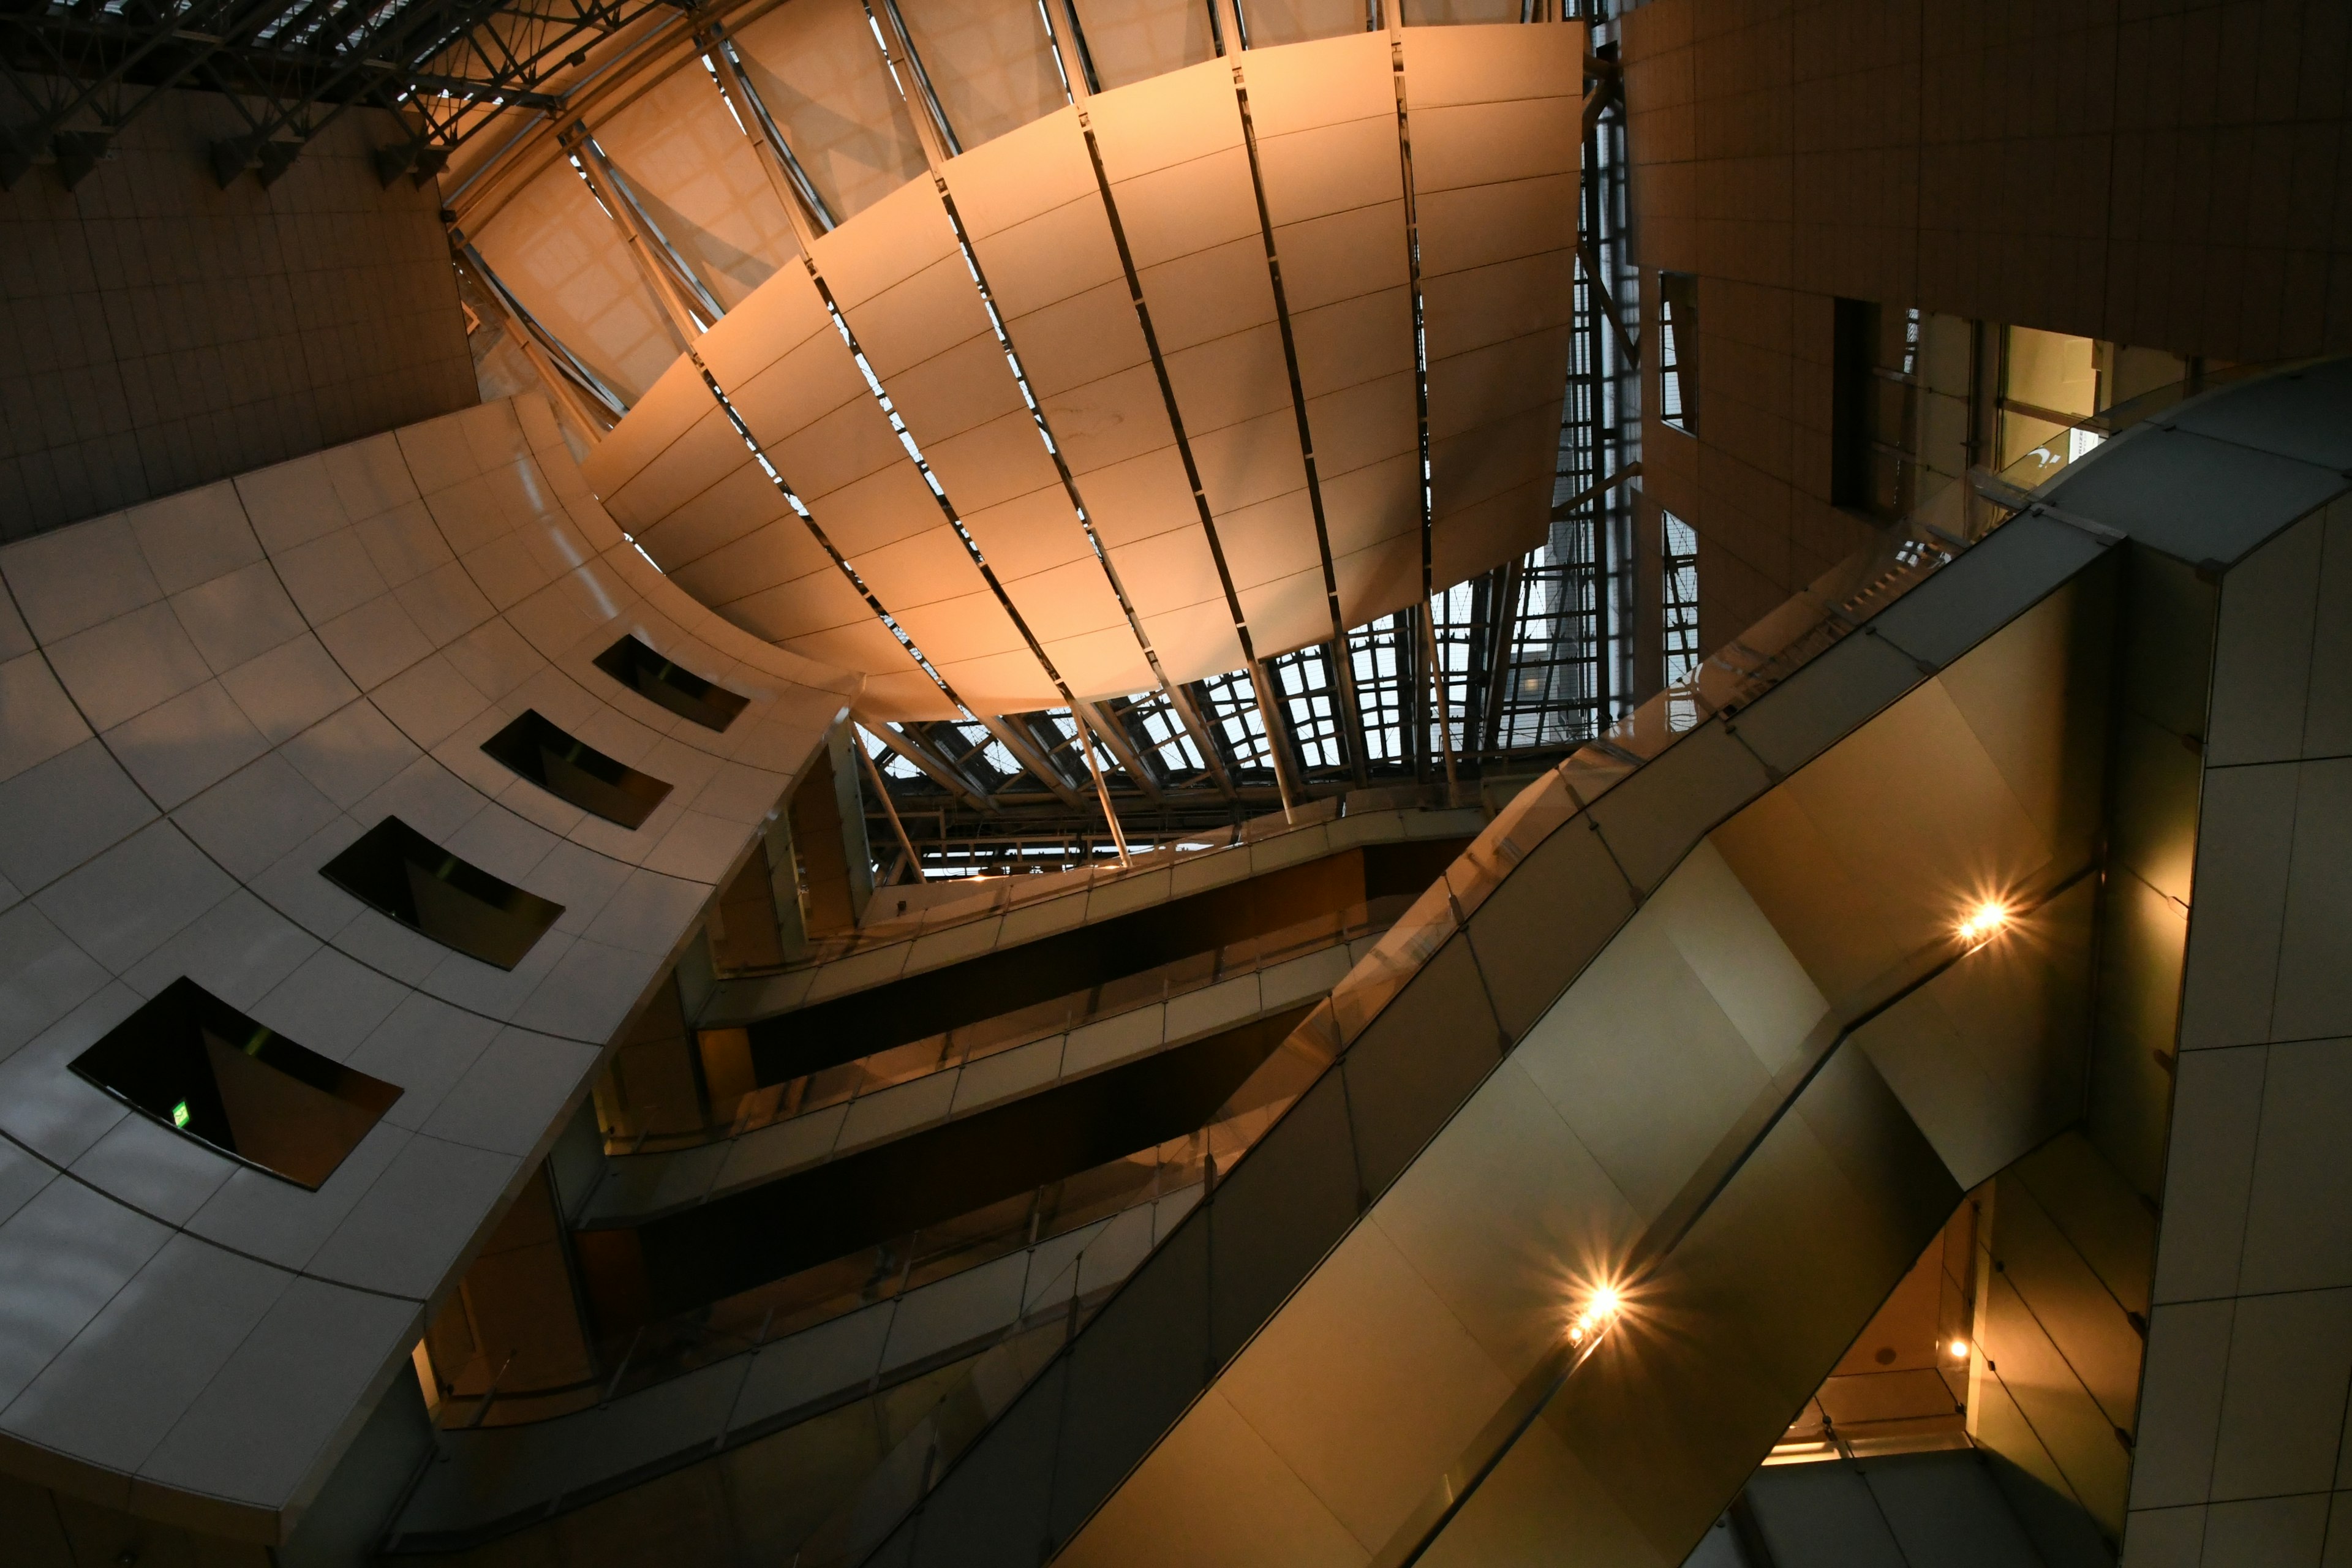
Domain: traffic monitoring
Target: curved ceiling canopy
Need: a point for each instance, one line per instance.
(1124, 394)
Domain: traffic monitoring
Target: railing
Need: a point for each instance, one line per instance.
(959, 1048)
(1829, 609)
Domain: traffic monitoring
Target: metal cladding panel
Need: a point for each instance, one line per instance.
(1144, 497)
(781, 315)
(710, 452)
(1271, 540)
(1497, 278)
(1195, 640)
(1020, 175)
(879, 508)
(844, 446)
(894, 239)
(1189, 204)
(928, 568)
(818, 601)
(902, 697)
(1507, 522)
(1333, 174)
(1494, 118)
(565, 261)
(1028, 534)
(1288, 613)
(658, 420)
(964, 628)
(744, 502)
(990, 63)
(864, 643)
(1030, 204)
(758, 559)
(697, 174)
(1169, 571)
(818, 67)
(1102, 664)
(922, 324)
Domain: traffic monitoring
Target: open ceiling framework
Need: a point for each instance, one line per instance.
(1521, 663)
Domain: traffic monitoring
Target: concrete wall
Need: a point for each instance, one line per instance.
(2165, 174)
(158, 332)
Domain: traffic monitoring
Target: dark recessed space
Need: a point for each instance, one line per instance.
(399, 871)
(683, 692)
(575, 771)
(198, 1065)
(786, 1046)
(701, 1254)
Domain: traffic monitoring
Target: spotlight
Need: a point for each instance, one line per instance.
(1985, 921)
(1599, 1311)
(1959, 1349)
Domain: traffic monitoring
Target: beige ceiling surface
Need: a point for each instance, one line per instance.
(1285, 403)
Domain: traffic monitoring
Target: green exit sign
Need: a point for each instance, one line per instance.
(180, 1114)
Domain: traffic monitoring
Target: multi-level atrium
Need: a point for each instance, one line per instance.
(1257, 781)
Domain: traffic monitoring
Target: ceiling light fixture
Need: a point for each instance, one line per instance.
(1985, 921)
(1598, 1314)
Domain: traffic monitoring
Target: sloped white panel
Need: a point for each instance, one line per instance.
(362, 619)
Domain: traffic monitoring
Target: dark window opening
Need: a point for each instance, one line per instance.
(400, 873)
(573, 771)
(1678, 349)
(198, 1065)
(683, 692)
(1873, 442)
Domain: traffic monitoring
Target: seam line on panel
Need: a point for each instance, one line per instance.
(1420, 322)
(1046, 434)
(824, 542)
(930, 481)
(1342, 674)
(1167, 391)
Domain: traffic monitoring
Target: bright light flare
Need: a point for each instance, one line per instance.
(1599, 1310)
(1987, 920)
(1959, 1349)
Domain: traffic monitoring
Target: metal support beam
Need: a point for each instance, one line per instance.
(937, 770)
(1102, 788)
(1212, 758)
(1121, 745)
(1590, 493)
(669, 293)
(801, 203)
(1437, 686)
(889, 807)
(1503, 620)
(1007, 728)
(1281, 740)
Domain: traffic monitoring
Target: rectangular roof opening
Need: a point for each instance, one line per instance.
(400, 873)
(683, 692)
(198, 1065)
(573, 771)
